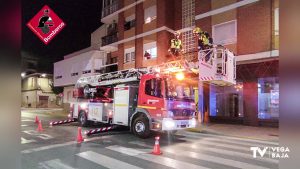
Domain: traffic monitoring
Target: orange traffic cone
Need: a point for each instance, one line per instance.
(40, 128)
(36, 119)
(156, 149)
(79, 136)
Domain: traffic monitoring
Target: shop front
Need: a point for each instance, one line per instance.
(254, 100)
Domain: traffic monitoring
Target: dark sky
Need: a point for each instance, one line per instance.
(81, 17)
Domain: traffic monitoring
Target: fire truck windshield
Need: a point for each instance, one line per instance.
(180, 90)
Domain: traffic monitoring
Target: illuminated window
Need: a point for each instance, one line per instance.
(150, 50)
(268, 98)
(150, 14)
(225, 33)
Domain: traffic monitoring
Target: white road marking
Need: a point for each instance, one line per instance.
(227, 141)
(25, 141)
(24, 125)
(27, 120)
(54, 164)
(212, 149)
(210, 158)
(153, 158)
(200, 135)
(58, 145)
(37, 134)
(105, 161)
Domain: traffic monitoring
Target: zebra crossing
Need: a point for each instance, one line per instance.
(194, 151)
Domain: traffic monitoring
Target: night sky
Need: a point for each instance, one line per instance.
(81, 17)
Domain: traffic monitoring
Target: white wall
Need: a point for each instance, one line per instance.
(90, 60)
(68, 94)
(97, 35)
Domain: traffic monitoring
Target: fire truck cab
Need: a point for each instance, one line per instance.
(135, 98)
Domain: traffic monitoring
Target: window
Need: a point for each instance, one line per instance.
(114, 60)
(150, 50)
(276, 21)
(268, 98)
(150, 14)
(225, 33)
(74, 74)
(129, 22)
(86, 71)
(153, 87)
(129, 55)
(58, 77)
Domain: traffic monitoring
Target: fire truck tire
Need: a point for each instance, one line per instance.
(141, 127)
(82, 119)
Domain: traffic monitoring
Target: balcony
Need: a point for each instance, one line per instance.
(110, 9)
(107, 43)
(106, 40)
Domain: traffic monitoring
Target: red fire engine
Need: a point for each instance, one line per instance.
(142, 99)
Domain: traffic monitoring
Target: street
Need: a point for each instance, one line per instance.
(56, 148)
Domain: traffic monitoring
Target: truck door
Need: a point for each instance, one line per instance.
(121, 105)
(151, 95)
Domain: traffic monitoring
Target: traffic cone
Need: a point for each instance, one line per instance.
(40, 128)
(36, 119)
(79, 136)
(156, 148)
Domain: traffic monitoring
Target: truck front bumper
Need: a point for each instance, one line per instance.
(170, 124)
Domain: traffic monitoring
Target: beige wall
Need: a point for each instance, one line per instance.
(224, 17)
(33, 83)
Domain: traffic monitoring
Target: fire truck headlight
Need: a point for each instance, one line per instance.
(193, 122)
(83, 106)
(169, 124)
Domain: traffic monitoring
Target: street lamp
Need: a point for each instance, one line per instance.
(23, 74)
(43, 75)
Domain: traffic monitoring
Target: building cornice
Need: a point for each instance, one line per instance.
(225, 8)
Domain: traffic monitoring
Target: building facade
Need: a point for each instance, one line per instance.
(84, 62)
(249, 28)
(37, 91)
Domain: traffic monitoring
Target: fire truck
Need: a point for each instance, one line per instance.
(159, 98)
(142, 99)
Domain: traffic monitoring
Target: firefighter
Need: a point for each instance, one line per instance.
(176, 46)
(204, 43)
(204, 39)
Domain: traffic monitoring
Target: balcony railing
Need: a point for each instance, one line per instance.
(110, 9)
(106, 40)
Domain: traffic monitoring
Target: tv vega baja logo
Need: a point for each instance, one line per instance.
(46, 24)
(272, 152)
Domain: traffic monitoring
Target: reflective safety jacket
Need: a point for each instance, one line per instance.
(176, 43)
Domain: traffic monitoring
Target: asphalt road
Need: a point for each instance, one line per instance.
(56, 148)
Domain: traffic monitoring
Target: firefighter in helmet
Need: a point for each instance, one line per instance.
(204, 39)
(176, 45)
(204, 43)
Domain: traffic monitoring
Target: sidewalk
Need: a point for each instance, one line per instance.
(58, 112)
(259, 133)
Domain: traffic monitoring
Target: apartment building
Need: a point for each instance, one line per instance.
(249, 28)
(84, 62)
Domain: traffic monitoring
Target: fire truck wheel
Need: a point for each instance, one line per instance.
(141, 127)
(82, 119)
